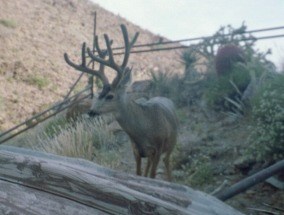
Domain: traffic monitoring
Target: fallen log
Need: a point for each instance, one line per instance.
(40, 183)
(250, 181)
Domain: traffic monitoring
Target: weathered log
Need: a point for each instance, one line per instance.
(40, 183)
(250, 181)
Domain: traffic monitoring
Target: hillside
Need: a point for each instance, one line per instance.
(35, 34)
(214, 144)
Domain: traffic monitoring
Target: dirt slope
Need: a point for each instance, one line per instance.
(33, 37)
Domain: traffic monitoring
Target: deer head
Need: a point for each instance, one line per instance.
(111, 92)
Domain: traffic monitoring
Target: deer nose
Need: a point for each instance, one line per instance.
(92, 113)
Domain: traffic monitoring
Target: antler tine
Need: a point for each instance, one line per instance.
(128, 45)
(110, 62)
(84, 68)
(102, 53)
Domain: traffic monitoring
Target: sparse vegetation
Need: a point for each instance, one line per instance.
(162, 85)
(1, 103)
(193, 171)
(39, 81)
(203, 175)
(54, 127)
(84, 138)
(9, 23)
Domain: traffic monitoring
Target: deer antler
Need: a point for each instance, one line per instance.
(83, 67)
(110, 62)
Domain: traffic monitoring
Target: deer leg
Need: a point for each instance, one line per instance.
(149, 162)
(137, 159)
(167, 165)
(155, 162)
(138, 163)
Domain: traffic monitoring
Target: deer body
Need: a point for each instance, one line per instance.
(150, 124)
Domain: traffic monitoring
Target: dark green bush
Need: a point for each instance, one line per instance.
(221, 90)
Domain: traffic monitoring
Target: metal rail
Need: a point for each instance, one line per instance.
(204, 37)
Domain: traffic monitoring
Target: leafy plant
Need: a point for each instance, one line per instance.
(202, 175)
(194, 172)
(267, 132)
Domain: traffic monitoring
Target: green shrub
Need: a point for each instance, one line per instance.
(53, 127)
(267, 135)
(222, 92)
(202, 175)
(194, 172)
(225, 93)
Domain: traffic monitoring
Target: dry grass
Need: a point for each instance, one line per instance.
(84, 138)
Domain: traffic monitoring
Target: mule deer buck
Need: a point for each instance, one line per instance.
(150, 124)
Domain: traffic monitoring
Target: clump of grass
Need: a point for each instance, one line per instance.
(8, 23)
(71, 142)
(90, 139)
(53, 127)
(37, 80)
(109, 158)
(83, 139)
(202, 175)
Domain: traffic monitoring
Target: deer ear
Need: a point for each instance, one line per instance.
(126, 78)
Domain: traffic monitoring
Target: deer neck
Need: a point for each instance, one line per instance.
(128, 112)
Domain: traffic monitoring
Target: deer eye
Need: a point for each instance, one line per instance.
(109, 97)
